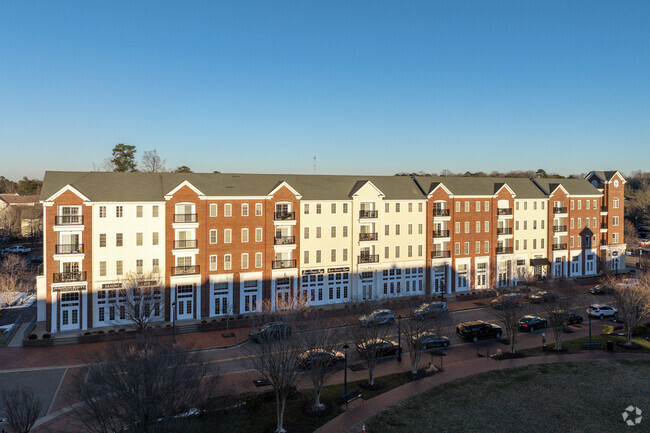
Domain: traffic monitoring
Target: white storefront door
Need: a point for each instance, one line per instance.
(69, 311)
(184, 302)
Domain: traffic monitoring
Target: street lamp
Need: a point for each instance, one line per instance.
(345, 370)
(399, 339)
(174, 322)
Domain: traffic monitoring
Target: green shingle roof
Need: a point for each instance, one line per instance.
(522, 187)
(573, 186)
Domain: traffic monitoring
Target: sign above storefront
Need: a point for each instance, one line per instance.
(69, 288)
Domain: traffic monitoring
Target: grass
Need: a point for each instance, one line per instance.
(567, 397)
(575, 345)
(258, 414)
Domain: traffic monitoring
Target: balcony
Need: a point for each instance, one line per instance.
(368, 236)
(441, 233)
(603, 208)
(558, 247)
(185, 270)
(603, 226)
(504, 250)
(185, 244)
(68, 220)
(284, 264)
(69, 249)
(369, 258)
(284, 216)
(438, 254)
(69, 277)
(559, 210)
(504, 230)
(284, 240)
(185, 218)
(559, 229)
(437, 212)
(504, 211)
(368, 213)
(603, 242)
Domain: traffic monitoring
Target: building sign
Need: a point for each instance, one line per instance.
(313, 271)
(112, 286)
(69, 288)
(337, 270)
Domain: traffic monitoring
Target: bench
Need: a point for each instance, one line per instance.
(351, 396)
(591, 346)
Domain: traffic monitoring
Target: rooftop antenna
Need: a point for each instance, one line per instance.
(314, 164)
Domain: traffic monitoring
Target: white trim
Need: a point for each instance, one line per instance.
(379, 192)
(68, 187)
(438, 186)
(505, 185)
(289, 187)
(182, 184)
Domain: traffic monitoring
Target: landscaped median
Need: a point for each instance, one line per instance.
(567, 396)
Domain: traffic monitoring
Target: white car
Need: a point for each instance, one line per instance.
(602, 311)
(16, 249)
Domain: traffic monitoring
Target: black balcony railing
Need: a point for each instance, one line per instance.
(284, 240)
(69, 248)
(504, 211)
(557, 247)
(603, 241)
(441, 233)
(186, 270)
(284, 216)
(185, 243)
(368, 214)
(559, 228)
(369, 258)
(504, 230)
(603, 208)
(504, 250)
(66, 277)
(368, 236)
(438, 254)
(440, 212)
(603, 225)
(63, 220)
(284, 264)
(185, 218)
(559, 209)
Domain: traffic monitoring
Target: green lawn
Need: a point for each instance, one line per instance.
(567, 397)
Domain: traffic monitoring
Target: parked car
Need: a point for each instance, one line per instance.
(270, 331)
(573, 318)
(514, 298)
(16, 249)
(530, 323)
(601, 289)
(377, 317)
(429, 309)
(542, 296)
(381, 346)
(429, 340)
(478, 329)
(309, 358)
(601, 311)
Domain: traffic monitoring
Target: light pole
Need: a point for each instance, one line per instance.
(399, 338)
(174, 322)
(345, 370)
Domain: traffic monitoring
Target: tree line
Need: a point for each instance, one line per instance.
(24, 186)
(123, 160)
(540, 173)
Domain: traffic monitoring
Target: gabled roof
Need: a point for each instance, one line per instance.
(488, 186)
(571, 186)
(16, 199)
(606, 175)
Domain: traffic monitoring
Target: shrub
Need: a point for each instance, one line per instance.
(100, 332)
(214, 320)
(121, 329)
(111, 331)
(168, 326)
(33, 337)
(204, 321)
(87, 333)
(46, 335)
(608, 329)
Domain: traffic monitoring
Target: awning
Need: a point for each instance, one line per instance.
(539, 262)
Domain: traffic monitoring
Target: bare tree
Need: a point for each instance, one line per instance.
(557, 310)
(142, 299)
(414, 328)
(275, 358)
(10, 220)
(321, 351)
(509, 314)
(632, 299)
(16, 276)
(365, 338)
(525, 277)
(22, 408)
(631, 235)
(152, 162)
(137, 385)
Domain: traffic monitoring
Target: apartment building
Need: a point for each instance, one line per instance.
(209, 245)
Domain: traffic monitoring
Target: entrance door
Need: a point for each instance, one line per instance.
(69, 311)
(184, 302)
(283, 299)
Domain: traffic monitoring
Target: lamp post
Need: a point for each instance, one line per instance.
(174, 322)
(345, 370)
(399, 338)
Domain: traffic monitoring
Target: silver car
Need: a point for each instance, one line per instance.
(377, 317)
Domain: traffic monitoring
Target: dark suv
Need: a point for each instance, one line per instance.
(270, 331)
(478, 329)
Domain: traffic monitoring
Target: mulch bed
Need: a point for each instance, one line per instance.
(376, 387)
(554, 350)
(310, 410)
(633, 346)
(508, 355)
(357, 367)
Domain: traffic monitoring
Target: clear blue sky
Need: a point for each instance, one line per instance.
(369, 87)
